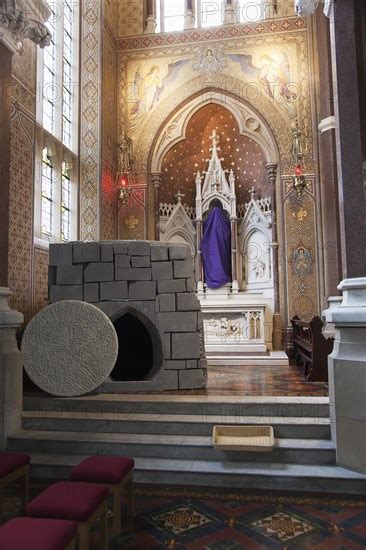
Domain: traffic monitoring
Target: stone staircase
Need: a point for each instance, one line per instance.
(170, 438)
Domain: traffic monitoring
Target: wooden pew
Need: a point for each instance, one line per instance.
(311, 348)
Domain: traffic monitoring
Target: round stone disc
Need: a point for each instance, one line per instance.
(69, 348)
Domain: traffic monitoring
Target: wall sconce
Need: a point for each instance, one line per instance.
(124, 192)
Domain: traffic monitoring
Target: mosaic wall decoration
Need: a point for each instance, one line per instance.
(40, 279)
(109, 191)
(241, 153)
(90, 133)
(132, 216)
(301, 255)
(21, 210)
(130, 17)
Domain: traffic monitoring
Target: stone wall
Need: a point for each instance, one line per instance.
(153, 281)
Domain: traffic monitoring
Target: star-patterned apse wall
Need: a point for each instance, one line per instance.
(240, 153)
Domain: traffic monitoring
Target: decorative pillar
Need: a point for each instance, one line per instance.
(150, 21)
(347, 363)
(347, 375)
(229, 16)
(277, 320)
(11, 370)
(189, 15)
(270, 9)
(199, 233)
(234, 248)
(347, 36)
(156, 181)
(5, 107)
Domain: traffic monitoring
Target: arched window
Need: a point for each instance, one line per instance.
(250, 11)
(56, 168)
(208, 13)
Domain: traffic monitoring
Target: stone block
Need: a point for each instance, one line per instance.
(106, 252)
(85, 252)
(168, 287)
(183, 268)
(178, 322)
(140, 261)
(121, 247)
(192, 379)
(167, 346)
(159, 252)
(192, 364)
(116, 290)
(167, 302)
(133, 274)
(52, 273)
(65, 292)
(179, 251)
(91, 292)
(188, 302)
(162, 271)
(69, 275)
(139, 248)
(142, 290)
(122, 260)
(186, 345)
(191, 285)
(98, 272)
(171, 380)
(60, 254)
(175, 365)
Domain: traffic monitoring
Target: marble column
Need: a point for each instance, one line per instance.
(5, 106)
(349, 94)
(189, 15)
(156, 181)
(328, 187)
(347, 363)
(277, 319)
(230, 15)
(11, 370)
(150, 21)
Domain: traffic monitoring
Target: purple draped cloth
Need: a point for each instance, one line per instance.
(216, 249)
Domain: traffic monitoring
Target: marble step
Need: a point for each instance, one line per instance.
(202, 405)
(301, 427)
(302, 451)
(224, 475)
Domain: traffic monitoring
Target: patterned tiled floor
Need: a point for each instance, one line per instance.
(191, 519)
(180, 520)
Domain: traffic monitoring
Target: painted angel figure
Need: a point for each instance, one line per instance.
(149, 88)
(269, 72)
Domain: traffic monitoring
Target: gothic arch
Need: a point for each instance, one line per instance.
(251, 124)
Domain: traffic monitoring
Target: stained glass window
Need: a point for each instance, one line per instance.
(47, 192)
(65, 202)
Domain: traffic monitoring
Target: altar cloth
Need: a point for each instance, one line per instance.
(216, 249)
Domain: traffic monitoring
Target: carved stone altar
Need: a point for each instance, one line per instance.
(237, 316)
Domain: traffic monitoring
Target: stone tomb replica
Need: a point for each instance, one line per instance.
(147, 290)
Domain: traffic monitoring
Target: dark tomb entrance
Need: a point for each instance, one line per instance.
(135, 355)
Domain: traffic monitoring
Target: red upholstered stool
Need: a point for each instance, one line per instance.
(116, 472)
(82, 502)
(12, 467)
(38, 534)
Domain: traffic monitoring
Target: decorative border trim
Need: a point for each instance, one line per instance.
(90, 127)
(217, 33)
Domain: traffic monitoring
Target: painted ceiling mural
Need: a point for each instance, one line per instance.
(264, 70)
(239, 152)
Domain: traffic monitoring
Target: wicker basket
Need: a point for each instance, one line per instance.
(243, 438)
